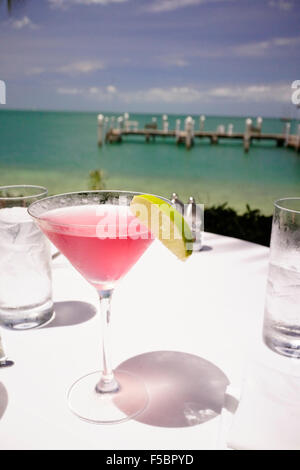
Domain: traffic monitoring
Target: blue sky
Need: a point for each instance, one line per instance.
(184, 56)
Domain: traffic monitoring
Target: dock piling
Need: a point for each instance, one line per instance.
(177, 130)
(259, 122)
(100, 129)
(214, 139)
(189, 132)
(247, 134)
(126, 120)
(201, 122)
(298, 142)
(120, 122)
(165, 123)
(287, 131)
(230, 130)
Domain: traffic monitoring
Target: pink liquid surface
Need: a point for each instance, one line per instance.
(102, 242)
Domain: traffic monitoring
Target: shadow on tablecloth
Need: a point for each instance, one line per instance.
(184, 390)
(3, 399)
(206, 248)
(71, 313)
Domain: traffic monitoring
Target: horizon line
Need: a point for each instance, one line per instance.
(78, 111)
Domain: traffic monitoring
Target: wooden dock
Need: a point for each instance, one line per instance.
(189, 134)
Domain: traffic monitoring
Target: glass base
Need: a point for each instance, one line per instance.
(110, 407)
(286, 346)
(27, 318)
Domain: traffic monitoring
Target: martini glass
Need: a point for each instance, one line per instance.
(102, 239)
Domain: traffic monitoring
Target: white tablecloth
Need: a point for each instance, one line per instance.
(207, 309)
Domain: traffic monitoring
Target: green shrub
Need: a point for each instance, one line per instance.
(252, 226)
(96, 180)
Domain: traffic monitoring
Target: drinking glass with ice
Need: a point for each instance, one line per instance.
(282, 313)
(25, 273)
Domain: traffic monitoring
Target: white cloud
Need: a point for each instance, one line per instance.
(24, 22)
(57, 3)
(159, 6)
(111, 89)
(99, 93)
(174, 61)
(98, 2)
(35, 71)
(260, 48)
(93, 90)
(287, 41)
(254, 93)
(264, 93)
(275, 47)
(67, 3)
(252, 49)
(165, 95)
(82, 67)
(283, 5)
(70, 91)
(72, 69)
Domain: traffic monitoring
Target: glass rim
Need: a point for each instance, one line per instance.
(101, 191)
(278, 205)
(42, 189)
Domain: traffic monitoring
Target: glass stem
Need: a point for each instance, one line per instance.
(107, 383)
(2, 353)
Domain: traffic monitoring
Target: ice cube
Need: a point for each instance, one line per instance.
(283, 294)
(24, 260)
(17, 227)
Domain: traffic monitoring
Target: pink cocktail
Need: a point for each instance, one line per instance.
(102, 243)
(100, 236)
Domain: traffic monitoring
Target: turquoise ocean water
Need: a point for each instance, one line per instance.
(59, 149)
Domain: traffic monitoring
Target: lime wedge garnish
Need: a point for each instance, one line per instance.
(165, 223)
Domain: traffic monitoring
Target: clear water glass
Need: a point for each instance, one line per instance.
(25, 270)
(281, 330)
